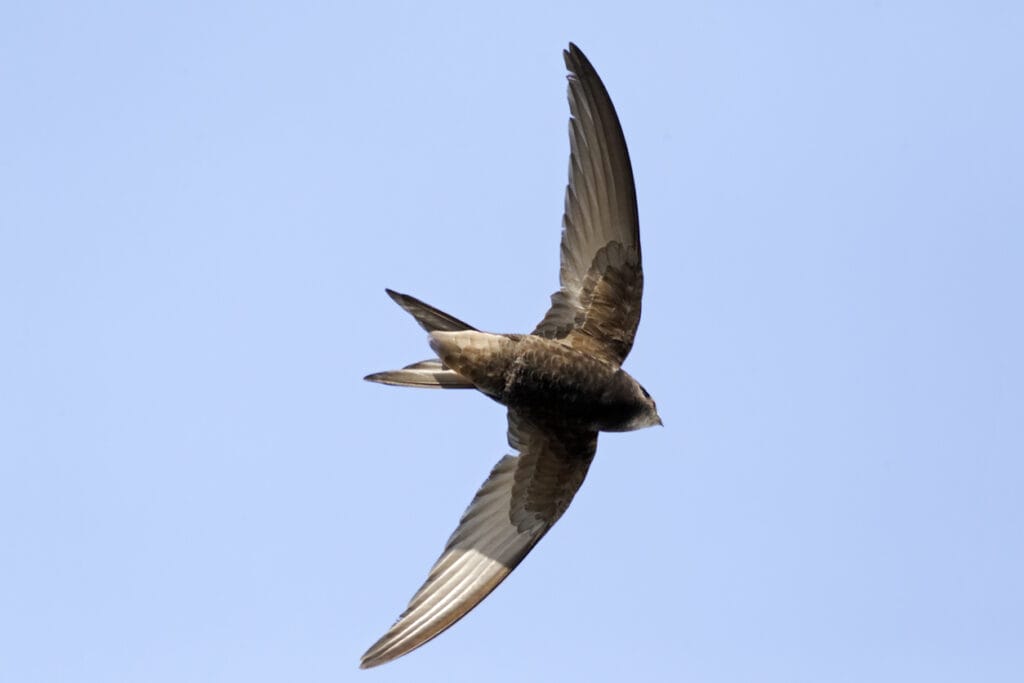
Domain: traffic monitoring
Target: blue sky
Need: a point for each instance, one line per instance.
(201, 205)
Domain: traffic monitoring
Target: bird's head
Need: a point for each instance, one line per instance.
(648, 416)
(633, 406)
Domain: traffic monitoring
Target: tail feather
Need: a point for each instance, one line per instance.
(429, 318)
(432, 373)
(427, 374)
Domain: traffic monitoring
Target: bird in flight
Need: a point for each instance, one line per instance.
(562, 383)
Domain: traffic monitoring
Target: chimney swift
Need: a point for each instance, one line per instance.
(562, 383)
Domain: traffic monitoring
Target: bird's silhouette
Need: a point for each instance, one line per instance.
(562, 383)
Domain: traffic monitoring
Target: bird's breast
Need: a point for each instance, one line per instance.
(543, 379)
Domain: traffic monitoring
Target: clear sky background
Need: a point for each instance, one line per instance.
(201, 205)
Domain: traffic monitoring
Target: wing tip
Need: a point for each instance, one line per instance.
(381, 652)
(368, 662)
(575, 60)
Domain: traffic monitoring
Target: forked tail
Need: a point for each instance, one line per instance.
(431, 373)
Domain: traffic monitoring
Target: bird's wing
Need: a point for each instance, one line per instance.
(597, 309)
(522, 498)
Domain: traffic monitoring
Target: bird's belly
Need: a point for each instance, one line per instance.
(550, 382)
(542, 379)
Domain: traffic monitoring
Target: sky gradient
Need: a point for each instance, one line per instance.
(201, 205)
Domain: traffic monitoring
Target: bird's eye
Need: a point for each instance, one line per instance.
(646, 395)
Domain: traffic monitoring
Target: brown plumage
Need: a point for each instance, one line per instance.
(562, 383)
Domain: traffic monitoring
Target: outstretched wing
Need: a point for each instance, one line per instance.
(522, 498)
(597, 309)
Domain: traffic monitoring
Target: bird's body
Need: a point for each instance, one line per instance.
(562, 383)
(544, 380)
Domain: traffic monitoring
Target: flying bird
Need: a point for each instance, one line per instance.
(562, 383)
